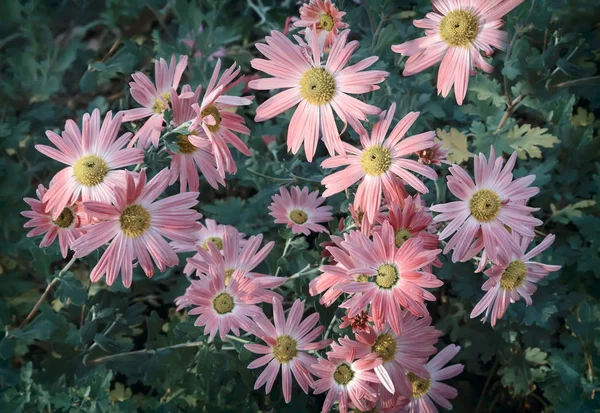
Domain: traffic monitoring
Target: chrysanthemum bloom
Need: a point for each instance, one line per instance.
(325, 17)
(210, 232)
(222, 307)
(93, 156)
(317, 90)
(214, 116)
(67, 226)
(135, 227)
(490, 204)
(513, 277)
(300, 210)
(398, 406)
(360, 323)
(345, 380)
(391, 278)
(154, 98)
(436, 155)
(190, 158)
(379, 163)
(427, 391)
(287, 343)
(456, 32)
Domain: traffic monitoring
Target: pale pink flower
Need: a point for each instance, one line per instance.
(210, 232)
(191, 157)
(317, 90)
(513, 277)
(287, 344)
(390, 278)
(300, 210)
(217, 121)
(155, 98)
(456, 33)
(380, 162)
(381, 406)
(360, 323)
(222, 307)
(427, 391)
(436, 155)
(136, 226)
(67, 226)
(325, 17)
(490, 204)
(92, 156)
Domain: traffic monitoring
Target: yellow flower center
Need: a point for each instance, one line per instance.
(214, 111)
(159, 106)
(298, 216)
(223, 303)
(65, 219)
(216, 241)
(459, 28)
(402, 235)
(285, 349)
(387, 276)
(376, 160)
(90, 170)
(513, 276)
(185, 146)
(420, 386)
(317, 86)
(228, 274)
(326, 22)
(385, 347)
(135, 220)
(343, 374)
(362, 278)
(485, 205)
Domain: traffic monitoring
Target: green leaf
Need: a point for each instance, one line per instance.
(527, 140)
(72, 289)
(456, 141)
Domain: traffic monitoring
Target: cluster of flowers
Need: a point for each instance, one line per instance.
(380, 271)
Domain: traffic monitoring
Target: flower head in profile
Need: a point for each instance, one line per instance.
(360, 323)
(486, 207)
(456, 33)
(155, 97)
(426, 391)
(317, 89)
(287, 344)
(136, 226)
(380, 163)
(67, 226)
(436, 155)
(325, 18)
(300, 210)
(93, 157)
(513, 277)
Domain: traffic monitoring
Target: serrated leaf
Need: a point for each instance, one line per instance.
(487, 88)
(527, 140)
(457, 142)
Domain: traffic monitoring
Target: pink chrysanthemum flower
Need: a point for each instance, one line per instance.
(325, 17)
(456, 32)
(427, 391)
(155, 98)
(190, 158)
(93, 156)
(360, 323)
(287, 343)
(67, 226)
(346, 380)
(317, 90)
(214, 116)
(210, 232)
(222, 307)
(379, 406)
(379, 163)
(490, 204)
(436, 155)
(389, 278)
(135, 227)
(513, 277)
(300, 210)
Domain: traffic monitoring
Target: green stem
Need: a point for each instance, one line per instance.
(143, 352)
(288, 242)
(270, 178)
(573, 82)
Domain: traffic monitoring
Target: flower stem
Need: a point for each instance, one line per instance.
(113, 357)
(288, 242)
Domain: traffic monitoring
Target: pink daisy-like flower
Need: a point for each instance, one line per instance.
(436, 155)
(427, 391)
(379, 163)
(92, 156)
(325, 18)
(317, 90)
(490, 204)
(389, 278)
(154, 98)
(191, 157)
(287, 343)
(210, 232)
(135, 227)
(513, 277)
(379, 406)
(360, 323)
(215, 118)
(67, 226)
(301, 211)
(456, 32)
(222, 307)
